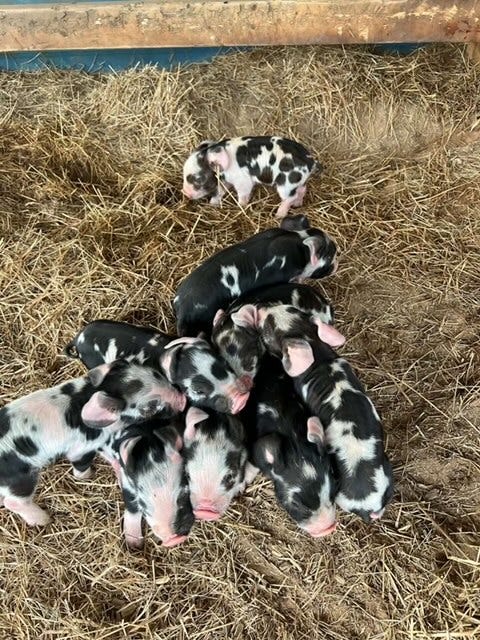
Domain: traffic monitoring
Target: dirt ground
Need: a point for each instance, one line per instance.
(93, 224)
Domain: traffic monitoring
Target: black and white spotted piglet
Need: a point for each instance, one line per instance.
(74, 419)
(248, 161)
(353, 429)
(293, 252)
(108, 340)
(150, 469)
(238, 340)
(215, 461)
(288, 445)
(192, 365)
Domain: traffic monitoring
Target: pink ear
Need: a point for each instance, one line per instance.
(311, 243)
(218, 316)
(172, 454)
(246, 316)
(98, 374)
(329, 334)
(94, 412)
(297, 357)
(218, 157)
(315, 431)
(193, 417)
(126, 448)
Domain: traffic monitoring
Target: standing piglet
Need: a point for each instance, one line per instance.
(295, 251)
(248, 161)
(153, 481)
(288, 444)
(73, 419)
(354, 432)
(215, 461)
(240, 344)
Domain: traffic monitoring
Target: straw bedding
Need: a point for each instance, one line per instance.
(93, 224)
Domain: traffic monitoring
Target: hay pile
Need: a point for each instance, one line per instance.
(93, 224)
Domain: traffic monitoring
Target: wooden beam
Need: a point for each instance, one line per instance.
(193, 23)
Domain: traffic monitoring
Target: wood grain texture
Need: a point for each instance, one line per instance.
(175, 23)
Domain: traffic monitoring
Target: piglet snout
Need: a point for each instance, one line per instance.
(206, 511)
(173, 541)
(319, 533)
(376, 515)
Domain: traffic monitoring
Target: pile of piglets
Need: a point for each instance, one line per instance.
(252, 382)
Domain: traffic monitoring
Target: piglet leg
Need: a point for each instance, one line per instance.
(82, 468)
(299, 196)
(216, 200)
(251, 472)
(27, 509)
(132, 529)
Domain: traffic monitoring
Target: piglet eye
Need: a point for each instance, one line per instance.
(229, 480)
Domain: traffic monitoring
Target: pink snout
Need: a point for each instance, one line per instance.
(376, 515)
(206, 510)
(173, 541)
(319, 533)
(238, 401)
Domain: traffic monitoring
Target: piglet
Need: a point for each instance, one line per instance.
(288, 444)
(194, 367)
(73, 419)
(153, 482)
(108, 340)
(354, 433)
(294, 251)
(239, 343)
(248, 161)
(215, 461)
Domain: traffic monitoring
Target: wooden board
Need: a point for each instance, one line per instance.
(175, 23)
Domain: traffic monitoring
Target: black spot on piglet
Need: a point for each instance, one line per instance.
(25, 445)
(4, 422)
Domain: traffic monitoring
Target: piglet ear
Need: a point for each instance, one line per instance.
(297, 357)
(315, 431)
(329, 334)
(218, 157)
(101, 410)
(193, 417)
(314, 243)
(97, 375)
(126, 448)
(246, 316)
(172, 441)
(205, 144)
(218, 316)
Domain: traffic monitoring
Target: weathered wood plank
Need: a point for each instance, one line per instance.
(175, 23)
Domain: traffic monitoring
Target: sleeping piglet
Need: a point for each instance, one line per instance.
(293, 252)
(215, 461)
(239, 342)
(288, 444)
(152, 477)
(74, 419)
(332, 391)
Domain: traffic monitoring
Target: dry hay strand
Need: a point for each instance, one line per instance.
(94, 225)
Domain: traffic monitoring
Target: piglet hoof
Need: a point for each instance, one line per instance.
(282, 212)
(251, 473)
(133, 542)
(38, 519)
(83, 475)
